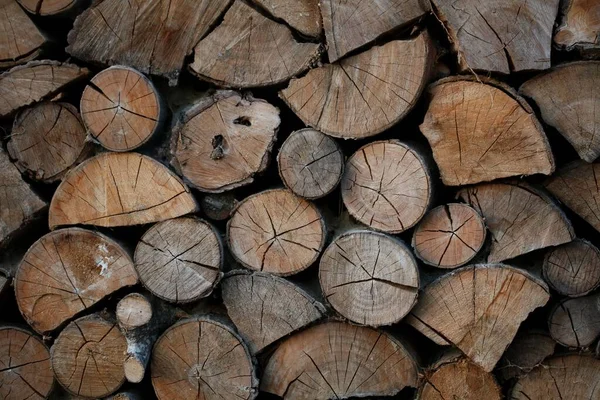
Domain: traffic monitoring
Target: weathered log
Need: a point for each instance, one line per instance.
(303, 15)
(576, 322)
(369, 277)
(573, 269)
(50, 7)
(20, 39)
(116, 189)
(308, 365)
(276, 231)
(365, 94)
(527, 351)
(449, 236)
(579, 26)
(387, 186)
(218, 206)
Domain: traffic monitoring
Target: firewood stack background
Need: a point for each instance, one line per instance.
(307, 199)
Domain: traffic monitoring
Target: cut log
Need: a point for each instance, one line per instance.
(179, 260)
(35, 81)
(116, 189)
(218, 206)
(121, 108)
(579, 26)
(573, 269)
(520, 218)
(370, 278)
(308, 364)
(352, 24)
(310, 163)
(449, 236)
(479, 309)
(133, 311)
(499, 36)
(88, 356)
(25, 370)
(303, 15)
(248, 50)
(365, 94)
(153, 36)
(280, 307)
(20, 39)
(391, 203)
(276, 231)
(46, 140)
(567, 96)
(576, 322)
(491, 133)
(217, 366)
(49, 7)
(223, 140)
(526, 352)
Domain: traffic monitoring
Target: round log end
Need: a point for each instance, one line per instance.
(134, 369)
(133, 311)
(573, 269)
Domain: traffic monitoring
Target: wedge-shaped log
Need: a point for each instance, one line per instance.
(573, 269)
(302, 15)
(20, 39)
(579, 26)
(575, 323)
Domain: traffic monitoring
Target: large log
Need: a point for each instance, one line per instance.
(302, 15)
(20, 39)
(573, 269)
(527, 351)
(575, 323)
(579, 27)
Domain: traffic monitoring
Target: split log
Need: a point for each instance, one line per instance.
(478, 309)
(449, 236)
(223, 140)
(248, 50)
(308, 364)
(121, 108)
(579, 26)
(276, 231)
(310, 163)
(369, 277)
(35, 81)
(365, 94)
(520, 218)
(280, 307)
(387, 186)
(153, 36)
(47, 140)
(217, 366)
(491, 132)
(116, 189)
(525, 353)
(88, 355)
(20, 39)
(499, 36)
(576, 322)
(567, 96)
(218, 206)
(25, 370)
(573, 269)
(304, 15)
(50, 7)
(179, 260)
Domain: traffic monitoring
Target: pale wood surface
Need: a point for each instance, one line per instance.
(133, 311)
(302, 15)
(48, 7)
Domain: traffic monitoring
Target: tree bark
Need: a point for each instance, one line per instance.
(20, 39)
(579, 27)
(575, 323)
(573, 269)
(526, 352)
(303, 15)
(218, 206)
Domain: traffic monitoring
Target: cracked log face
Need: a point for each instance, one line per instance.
(387, 186)
(118, 189)
(280, 307)
(224, 140)
(309, 364)
(66, 272)
(47, 7)
(180, 259)
(202, 359)
(302, 15)
(151, 36)
(310, 163)
(449, 236)
(499, 36)
(573, 269)
(25, 370)
(519, 217)
(576, 322)
(527, 351)
(46, 140)
(483, 131)
(20, 39)
(249, 50)
(478, 309)
(88, 356)
(370, 278)
(276, 231)
(365, 94)
(580, 26)
(121, 109)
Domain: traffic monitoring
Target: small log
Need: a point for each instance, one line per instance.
(223, 140)
(117, 189)
(387, 186)
(46, 8)
(218, 206)
(303, 15)
(88, 355)
(121, 108)
(449, 236)
(310, 163)
(479, 309)
(525, 353)
(501, 138)
(520, 218)
(179, 260)
(217, 366)
(573, 269)
(20, 39)
(133, 311)
(365, 94)
(47, 140)
(25, 370)
(369, 277)
(566, 96)
(575, 323)
(276, 231)
(307, 364)
(579, 26)
(280, 307)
